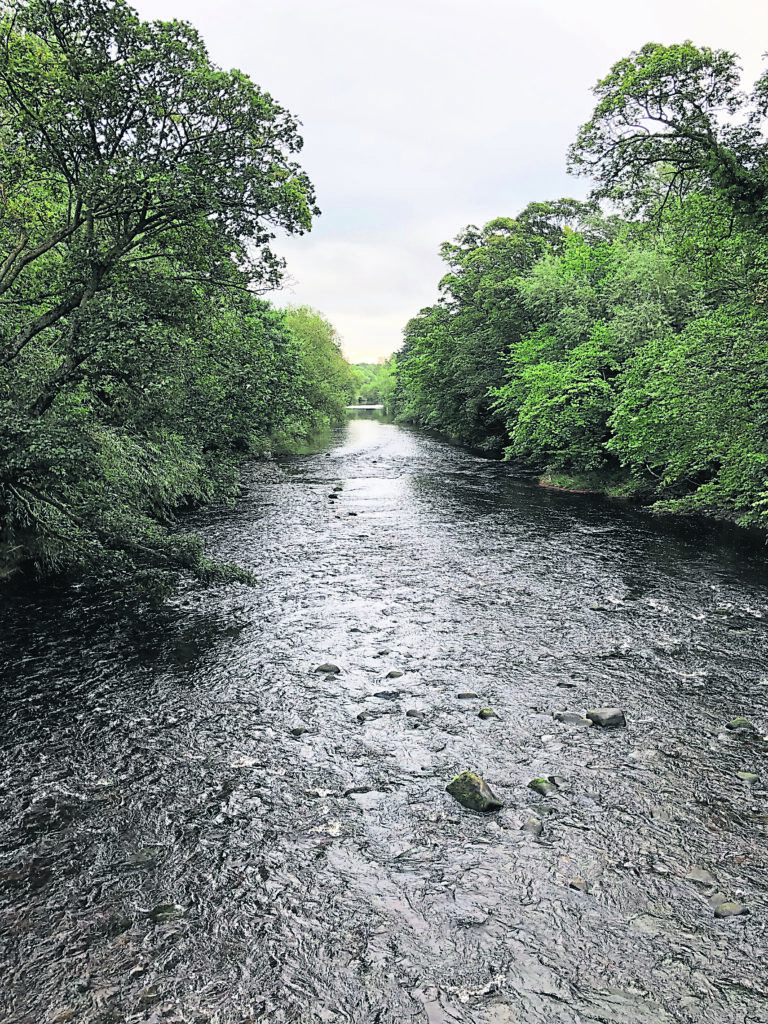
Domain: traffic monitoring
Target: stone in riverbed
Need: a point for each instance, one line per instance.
(748, 777)
(544, 787)
(608, 718)
(394, 673)
(579, 883)
(533, 827)
(729, 909)
(329, 668)
(165, 912)
(472, 792)
(740, 725)
(486, 713)
(571, 718)
(701, 876)
(414, 713)
(466, 695)
(338, 487)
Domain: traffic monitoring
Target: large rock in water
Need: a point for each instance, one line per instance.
(608, 718)
(470, 791)
(329, 668)
(544, 787)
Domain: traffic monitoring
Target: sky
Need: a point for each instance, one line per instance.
(422, 116)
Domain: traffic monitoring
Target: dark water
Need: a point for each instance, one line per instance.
(173, 848)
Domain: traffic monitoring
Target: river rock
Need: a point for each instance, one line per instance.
(748, 777)
(338, 487)
(700, 876)
(414, 713)
(740, 725)
(333, 497)
(466, 695)
(571, 718)
(333, 670)
(394, 673)
(533, 827)
(387, 694)
(608, 718)
(472, 792)
(729, 909)
(543, 787)
(148, 996)
(579, 883)
(486, 713)
(165, 912)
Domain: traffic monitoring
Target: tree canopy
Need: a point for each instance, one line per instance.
(141, 187)
(622, 342)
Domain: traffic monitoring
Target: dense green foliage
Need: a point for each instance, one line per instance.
(330, 380)
(140, 187)
(374, 382)
(632, 347)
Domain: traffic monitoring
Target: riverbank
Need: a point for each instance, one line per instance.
(618, 486)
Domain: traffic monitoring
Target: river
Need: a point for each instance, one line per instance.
(198, 826)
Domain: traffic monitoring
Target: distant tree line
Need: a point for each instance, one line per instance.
(374, 382)
(140, 188)
(623, 340)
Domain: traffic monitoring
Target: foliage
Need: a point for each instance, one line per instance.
(329, 380)
(374, 382)
(141, 186)
(625, 345)
(677, 111)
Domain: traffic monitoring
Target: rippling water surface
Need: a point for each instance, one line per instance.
(197, 826)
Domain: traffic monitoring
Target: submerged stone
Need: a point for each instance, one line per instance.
(748, 777)
(740, 725)
(533, 827)
(607, 718)
(472, 792)
(466, 695)
(571, 718)
(415, 713)
(338, 487)
(165, 912)
(329, 668)
(579, 883)
(394, 673)
(729, 909)
(486, 713)
(543, 787)
(700, 876)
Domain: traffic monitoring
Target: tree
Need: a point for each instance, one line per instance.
(329, 380)
(141, 186)
(671, 120)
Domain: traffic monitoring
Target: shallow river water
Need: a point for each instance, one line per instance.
(197, 826)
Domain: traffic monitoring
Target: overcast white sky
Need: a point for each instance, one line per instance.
(422, 116)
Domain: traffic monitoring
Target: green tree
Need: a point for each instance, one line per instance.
(141, 186)
(671, 120)
(329, 380)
